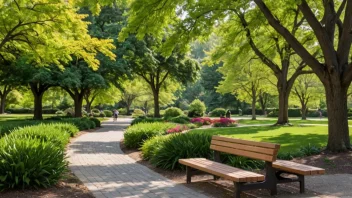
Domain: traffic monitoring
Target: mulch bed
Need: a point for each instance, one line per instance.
(333, 163)
(68, 187)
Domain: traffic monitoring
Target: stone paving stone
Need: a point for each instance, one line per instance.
(98, 161)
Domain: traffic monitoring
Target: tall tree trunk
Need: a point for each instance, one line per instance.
(128, 109)
(254, 101)
(38, 106)
(336, 99)
(78, 100)
(283, 107)
(156, 103)
(2, 103)
(304, 111)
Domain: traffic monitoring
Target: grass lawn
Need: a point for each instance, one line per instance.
(295, 122)
(290, 138)
(5, 117)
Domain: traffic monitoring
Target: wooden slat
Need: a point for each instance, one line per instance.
(247, 142)
(244, 147)
(249, 176)
(222, 170)
(293, 167)
(259, 156)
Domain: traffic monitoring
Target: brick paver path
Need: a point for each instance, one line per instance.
(97, 160)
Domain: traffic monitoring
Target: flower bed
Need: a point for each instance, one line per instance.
(224, 122)
(177, 129)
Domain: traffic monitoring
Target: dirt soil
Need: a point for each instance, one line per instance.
(68, 187)
(333, 163)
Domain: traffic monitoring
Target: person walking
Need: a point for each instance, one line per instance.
(115, 115)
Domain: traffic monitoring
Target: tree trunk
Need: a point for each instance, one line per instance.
(283, 107)
(304, 111)
(156, 103)
(128, 109)
(2, 103)
(38, 106)
(336, 99)
(254, 101)
(78, 100)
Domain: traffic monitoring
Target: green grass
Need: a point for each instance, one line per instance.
(5, 117)
(295, 122)
(290, 138)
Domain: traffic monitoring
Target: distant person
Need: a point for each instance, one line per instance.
(115, 115)
(228, 114)
(320, 113)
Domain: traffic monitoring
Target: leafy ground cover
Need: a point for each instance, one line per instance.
(294, 122)
(7, 117)
(290, 138)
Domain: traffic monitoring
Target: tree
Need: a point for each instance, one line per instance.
(155, 69)
(329, 23)
(307, 89)
(246, 81)
(131, 91)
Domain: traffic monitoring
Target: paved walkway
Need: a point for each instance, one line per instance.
(97, 160)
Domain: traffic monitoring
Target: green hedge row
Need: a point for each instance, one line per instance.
(34, 156)
(30, 111)
(80, 123)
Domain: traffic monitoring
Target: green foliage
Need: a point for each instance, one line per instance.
(196, 108)
(146, 120)
(172, 112)
(97, 111)
(152, 145)
(96, 121)
(30, 163)
(180, 146)
(135, 135)
(60, 113)
(310, 150)
(218, 112)
(108, 113)
(180, 119)
(243, 162)
(122, 111)
(137, 112)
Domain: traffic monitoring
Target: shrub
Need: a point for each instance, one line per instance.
(135, 135)
(95, 111)
(30, 163)
(162, 113)
(150, 113)
(196, 108)
(108, 113)
(177, 129)
(69, 112)
(201, 121)
(60, 113)
(217, 112)
(207, 121)
(102, 115)
(146, 120)
(46, 133)
(179, 146)
(310, 150)
(96, 121)
(71, 129)
(122, 111)
(191, 126)
(224, 122)
(172, 112)
(180, 119)
(243, 162)
(150, 146)
(137, 112)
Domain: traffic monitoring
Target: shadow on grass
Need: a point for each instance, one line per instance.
(238, 130)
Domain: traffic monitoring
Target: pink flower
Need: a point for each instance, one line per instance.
(177, 129)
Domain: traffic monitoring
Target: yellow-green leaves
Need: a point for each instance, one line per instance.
(47, 31)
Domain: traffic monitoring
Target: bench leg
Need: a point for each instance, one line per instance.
(189, 174)
(301, 183)
(237, 192)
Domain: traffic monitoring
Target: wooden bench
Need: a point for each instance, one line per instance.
(247, 180)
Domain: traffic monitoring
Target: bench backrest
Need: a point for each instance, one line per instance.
(251, 149)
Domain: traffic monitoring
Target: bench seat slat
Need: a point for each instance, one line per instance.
(222, 170)
(247, 142)
(297, 168)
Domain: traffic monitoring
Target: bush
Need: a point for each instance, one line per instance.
(172, 112)
(201, 121)
(180, 119)
(122, 111)
(135, 135)
(224, 122)
(60, 113)
(180, 146)
(95, 111)
(196, 108)
(150, 146)
(69, 111)
(102, 115)
(137, 112)
(47, 133)
(310, 150)
(108, 113)
(30, 163)
(71, 129)
(96, 121)
(243, 162)
(146, 120)
(217, 112)
(177, 129)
